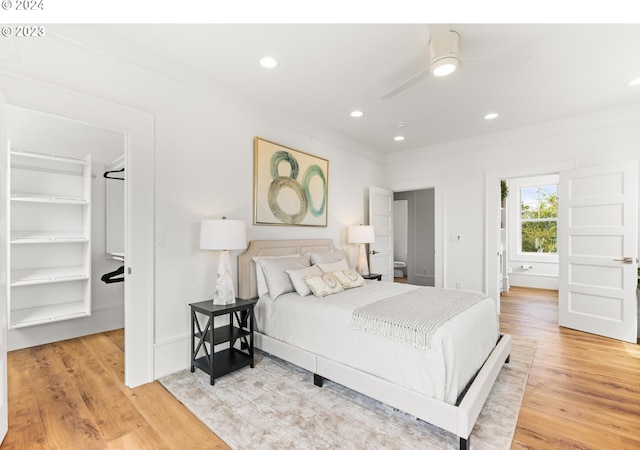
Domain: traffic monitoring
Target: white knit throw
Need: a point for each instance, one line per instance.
(413, 317)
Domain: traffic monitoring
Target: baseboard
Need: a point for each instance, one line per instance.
(102, 320)
(171, 355)
(534, 281)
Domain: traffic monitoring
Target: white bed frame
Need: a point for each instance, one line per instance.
(458, 419)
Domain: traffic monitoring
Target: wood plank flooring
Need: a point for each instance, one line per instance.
(583, 392)
(71, 395)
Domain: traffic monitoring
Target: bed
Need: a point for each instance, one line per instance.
(445, 383)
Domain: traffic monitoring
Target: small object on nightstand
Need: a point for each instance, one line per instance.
(373, 276)
(240, 327)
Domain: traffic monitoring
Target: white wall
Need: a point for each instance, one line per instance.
(42, 133)
(203, 169)
(593, 139)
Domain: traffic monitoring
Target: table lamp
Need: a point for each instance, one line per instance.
(362, 234)
(223, 235)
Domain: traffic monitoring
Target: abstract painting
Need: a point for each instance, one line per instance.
(290, 187)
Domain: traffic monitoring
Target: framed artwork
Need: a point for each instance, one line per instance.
(290, 187)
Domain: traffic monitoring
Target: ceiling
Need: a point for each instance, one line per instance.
(526, 73)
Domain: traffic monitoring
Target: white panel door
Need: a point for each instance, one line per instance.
(597, 241)
(381, 217)
(4, 260)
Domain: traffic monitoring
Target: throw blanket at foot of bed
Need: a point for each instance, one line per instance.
(413, 317)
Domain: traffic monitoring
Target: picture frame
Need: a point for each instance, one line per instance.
(291, 187)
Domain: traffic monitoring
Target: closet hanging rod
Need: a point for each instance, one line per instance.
(108, 173)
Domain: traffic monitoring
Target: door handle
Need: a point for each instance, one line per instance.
(373, 252)
(625, 259)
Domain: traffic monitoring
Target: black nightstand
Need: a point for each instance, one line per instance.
(221, 362)
(373, 276)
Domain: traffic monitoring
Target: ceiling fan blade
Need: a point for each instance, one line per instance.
(410, 82)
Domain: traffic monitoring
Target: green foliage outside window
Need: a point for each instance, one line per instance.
(539, 219)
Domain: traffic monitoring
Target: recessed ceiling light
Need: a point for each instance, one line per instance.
(401, 124)
(268, 62)
(398, 138)
(490, 116)
(357, 113)
(635, 82)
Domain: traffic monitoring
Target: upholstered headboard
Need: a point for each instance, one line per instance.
(247, 283)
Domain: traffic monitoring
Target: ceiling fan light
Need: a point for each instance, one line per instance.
(444, 66)
(268, 62)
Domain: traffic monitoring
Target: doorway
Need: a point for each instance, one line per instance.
(437, 184)
(414, 237)
(58, 138)
(529, 233)
(493, 235)
(137, 128)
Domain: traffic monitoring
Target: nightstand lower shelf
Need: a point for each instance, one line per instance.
(224, 362)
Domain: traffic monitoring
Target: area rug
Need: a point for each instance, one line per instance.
(277, 406)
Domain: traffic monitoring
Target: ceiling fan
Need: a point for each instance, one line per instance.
(443, 57)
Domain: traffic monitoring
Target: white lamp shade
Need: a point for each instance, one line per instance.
(223, 234)
(362, 234)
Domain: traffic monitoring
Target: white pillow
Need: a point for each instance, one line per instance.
(349, 278)
(278, 280)
(261, 281)
(323, 285)
(327, 257)
(336, 266)
(297, 278)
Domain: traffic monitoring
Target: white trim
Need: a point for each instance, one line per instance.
(529, 274)
(172, 340)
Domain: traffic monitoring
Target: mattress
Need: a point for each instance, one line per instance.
(322, 326)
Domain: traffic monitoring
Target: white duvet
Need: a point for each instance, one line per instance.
(322, 326)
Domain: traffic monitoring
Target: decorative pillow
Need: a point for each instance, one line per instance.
(336, 266)
(323, 285)
(297, 278)
(327, 257)
(278, 280)
(349, 278)
(260, 279)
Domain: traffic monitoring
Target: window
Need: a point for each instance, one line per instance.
(539, 219)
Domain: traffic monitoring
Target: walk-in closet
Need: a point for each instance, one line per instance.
(65, 219)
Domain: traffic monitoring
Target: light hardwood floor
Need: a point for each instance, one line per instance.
(71, 395)
(583, 392)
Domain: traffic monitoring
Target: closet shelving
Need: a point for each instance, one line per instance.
(50, 238)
